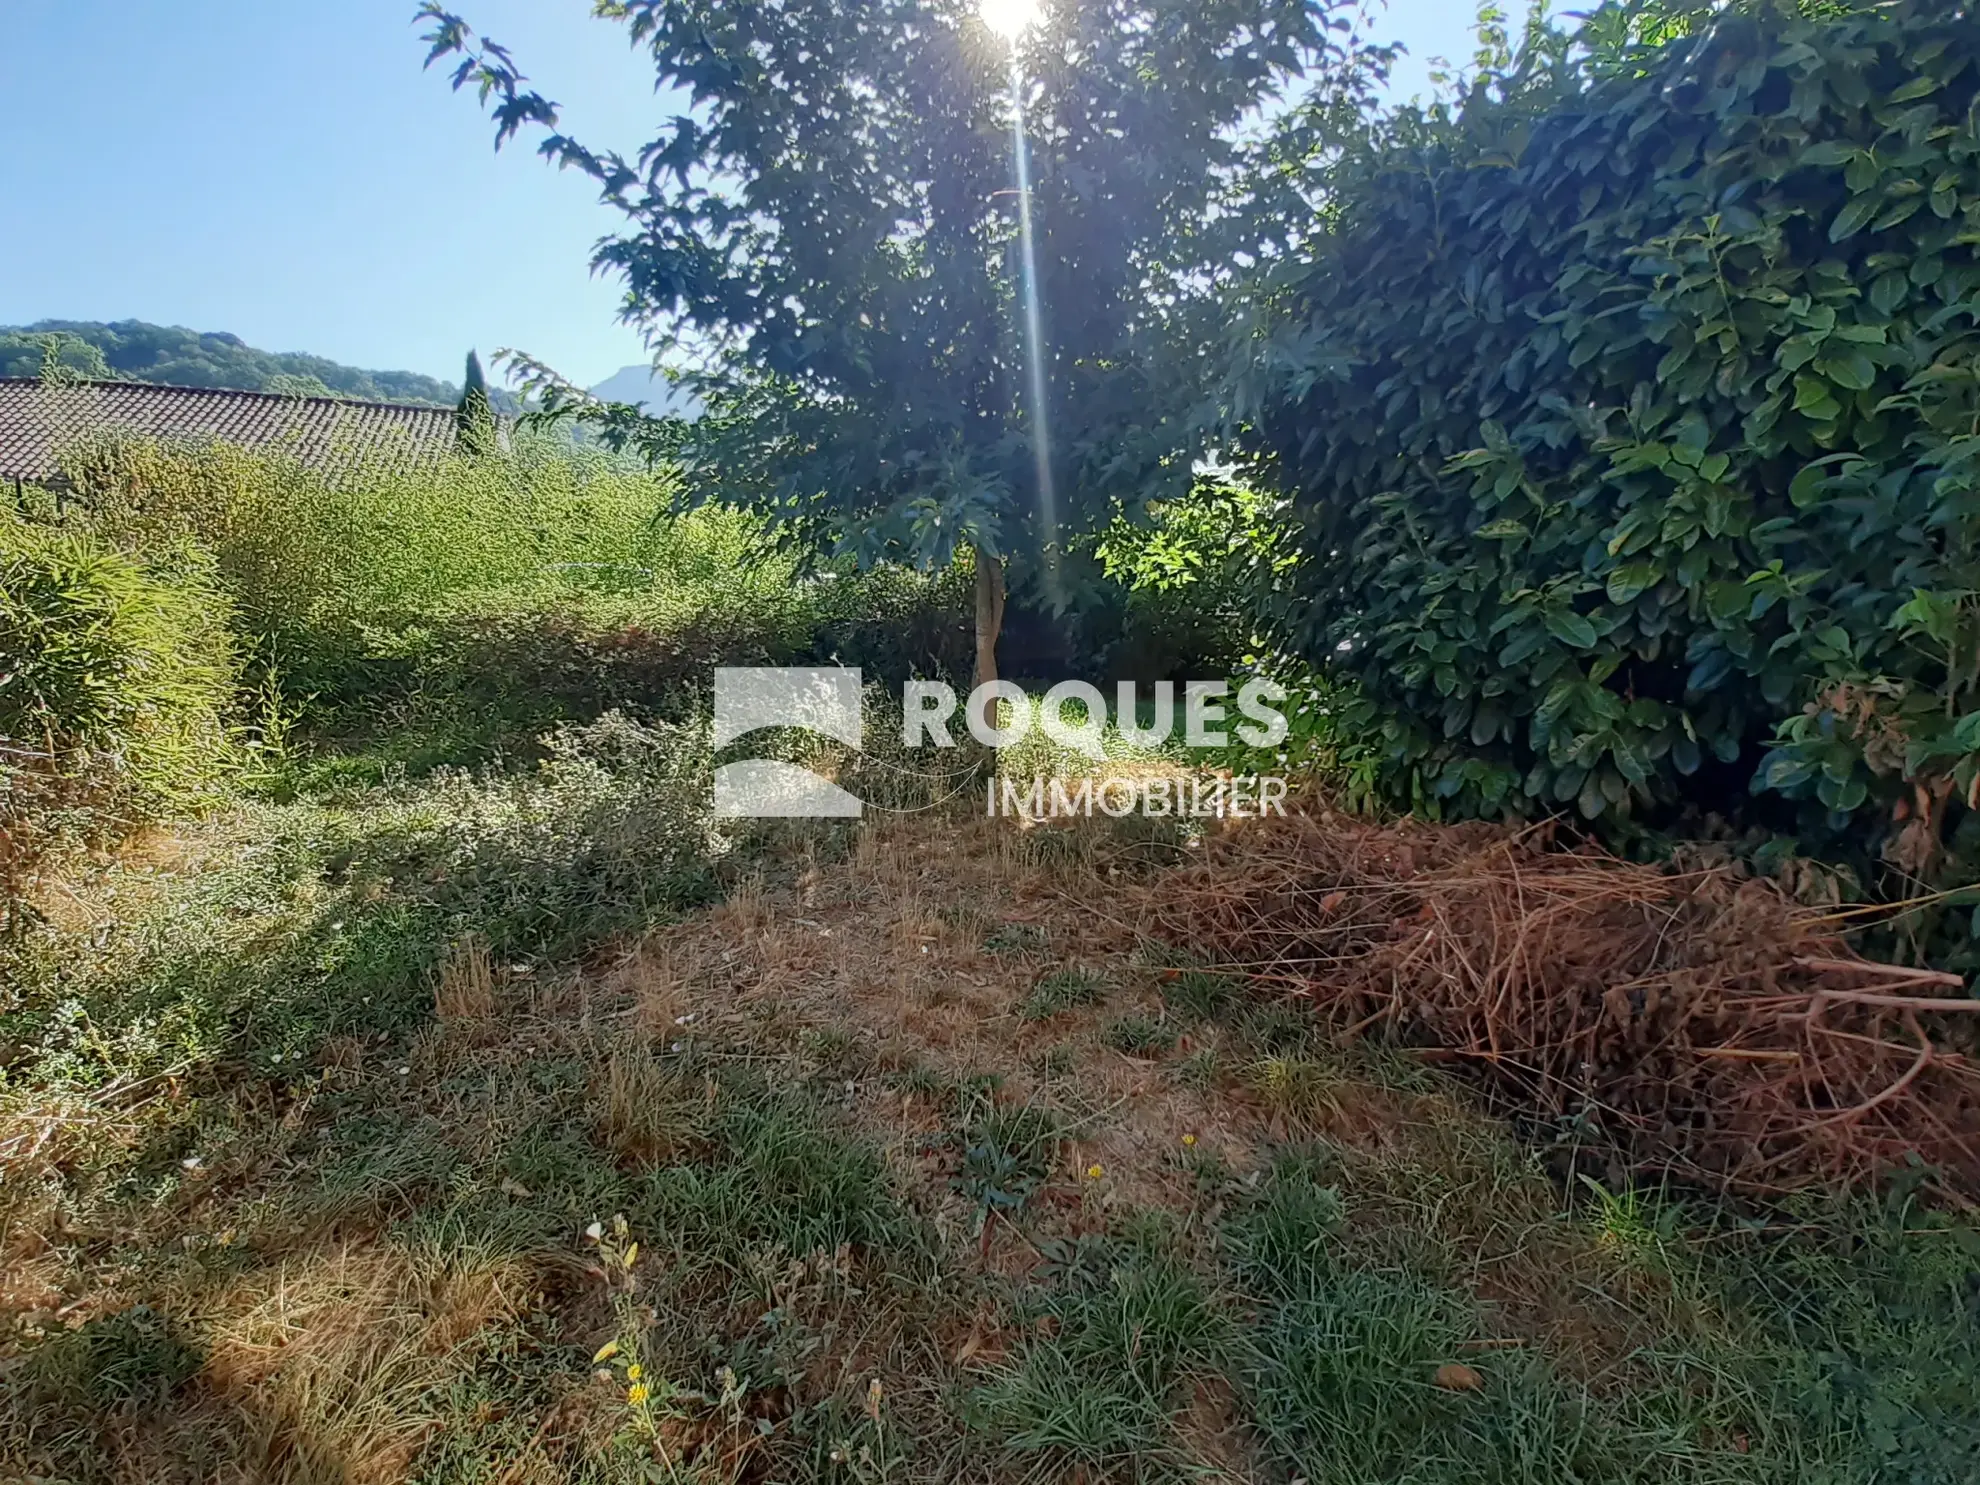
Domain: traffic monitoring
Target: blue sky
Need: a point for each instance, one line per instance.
(283, 169)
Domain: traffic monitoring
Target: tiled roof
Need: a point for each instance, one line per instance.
(37, 420)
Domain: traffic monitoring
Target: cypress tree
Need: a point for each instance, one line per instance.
(474, 419)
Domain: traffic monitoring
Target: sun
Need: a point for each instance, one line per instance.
(1010, 19)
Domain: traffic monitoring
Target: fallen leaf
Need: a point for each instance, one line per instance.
(1455, 1376)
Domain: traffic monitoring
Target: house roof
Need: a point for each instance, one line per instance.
(37, 419)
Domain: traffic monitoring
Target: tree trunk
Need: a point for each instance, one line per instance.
(989, 623)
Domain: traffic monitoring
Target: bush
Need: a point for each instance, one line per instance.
(317, 562)
(327, 919)
(551, 582)
(1628, 407)
(116, 691)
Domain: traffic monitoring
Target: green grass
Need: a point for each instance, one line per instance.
(328, 919)
(1062, 990)
(1099, 1394)
(1139, 1036)
(246, 1109)
(1196, 994)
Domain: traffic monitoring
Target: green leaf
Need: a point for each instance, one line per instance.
(1902, 212)
(1849, 221)
(1811, 392)
(1855, 371)
(1806, 487)
(1626, 583)
(1591, 801)
(1570, 628)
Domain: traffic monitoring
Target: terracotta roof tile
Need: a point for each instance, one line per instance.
(37, 420)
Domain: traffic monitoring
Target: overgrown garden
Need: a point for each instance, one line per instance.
(403, 1075)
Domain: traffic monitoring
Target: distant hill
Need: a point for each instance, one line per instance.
(173, 356)
(646, 388)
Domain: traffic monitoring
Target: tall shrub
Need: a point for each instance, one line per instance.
(116, 692)
(316, 561)
(1630, 409)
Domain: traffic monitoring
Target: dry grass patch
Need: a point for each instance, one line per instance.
(464, 994)
(647, 1114)
(338, 1360)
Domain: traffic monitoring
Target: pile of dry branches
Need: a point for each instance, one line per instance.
(1700, 1024)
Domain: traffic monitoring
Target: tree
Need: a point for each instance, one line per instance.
(827, 237)
(51, 355)
(474, 419)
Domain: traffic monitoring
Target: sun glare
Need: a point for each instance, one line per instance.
(1010, 19)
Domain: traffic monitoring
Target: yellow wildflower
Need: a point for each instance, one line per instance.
(1095, 1171)
(637, 1393)
(635, 1372)
(1189, 1140)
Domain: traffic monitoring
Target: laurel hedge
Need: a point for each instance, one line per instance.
(1631, 407)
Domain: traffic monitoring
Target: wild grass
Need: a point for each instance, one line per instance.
(396, 1253)
(412, 617)
(1063, 990)
(118, 696)
(324, 921)
(342, 1138)
(1139, 1036)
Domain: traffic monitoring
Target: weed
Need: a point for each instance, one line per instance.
(1196, 994)
(1139, 1036)
(835, 1051)
(648, 1110)
(1015, 938)
(1007, 1155)
(1200, 1070)
(1062, 990)
(1276, 1027)
(1098, 1392)
(1298, 1090)
(464, 994)
(1056, 1061)
(130, 1357)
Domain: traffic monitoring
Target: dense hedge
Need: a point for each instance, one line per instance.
(1630, 409)
(117, 692)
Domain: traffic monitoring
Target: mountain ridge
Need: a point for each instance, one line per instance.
(173, 355)
(646, 388)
